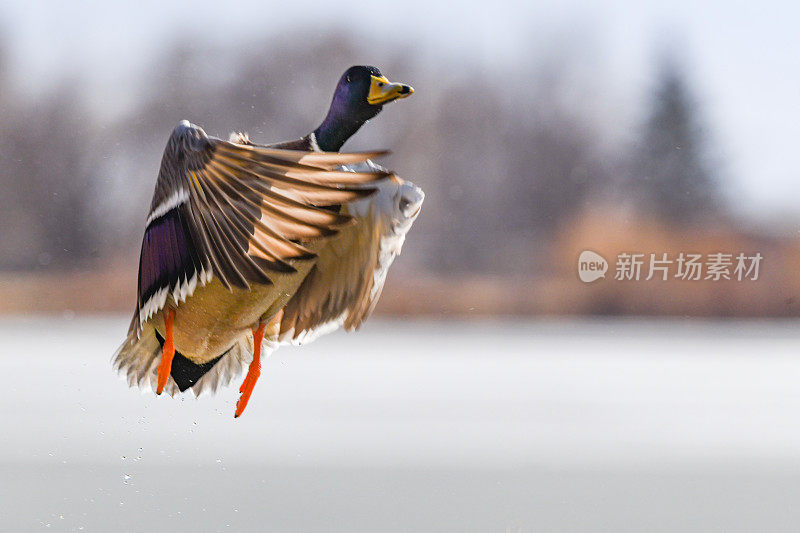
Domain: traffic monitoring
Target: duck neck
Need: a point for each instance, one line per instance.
(334, 132)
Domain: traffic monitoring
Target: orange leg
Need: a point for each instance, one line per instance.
(252, 373)
(167, 352)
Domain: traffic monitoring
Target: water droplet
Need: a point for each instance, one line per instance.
(126, 478)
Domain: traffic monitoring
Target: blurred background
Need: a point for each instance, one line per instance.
(537, 131)
(494, 391)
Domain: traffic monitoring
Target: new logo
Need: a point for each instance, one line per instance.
(591, 266)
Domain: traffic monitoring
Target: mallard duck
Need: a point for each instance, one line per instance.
(234, 228)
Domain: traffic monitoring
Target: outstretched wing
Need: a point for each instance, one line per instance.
(237, 212)
(343, 286)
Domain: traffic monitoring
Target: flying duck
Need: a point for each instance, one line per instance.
(233, 231)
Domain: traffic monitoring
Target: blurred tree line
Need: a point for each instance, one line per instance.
(672, 174)
(504, 169)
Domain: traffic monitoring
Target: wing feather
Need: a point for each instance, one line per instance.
(295, 226)
(344, 285)
(323, 160)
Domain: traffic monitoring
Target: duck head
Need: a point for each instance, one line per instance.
(361, 93)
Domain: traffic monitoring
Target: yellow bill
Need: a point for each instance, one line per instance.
(381, 90)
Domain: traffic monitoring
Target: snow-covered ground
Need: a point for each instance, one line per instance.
(485, 426)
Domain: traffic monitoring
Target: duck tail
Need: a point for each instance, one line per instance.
(137, 360)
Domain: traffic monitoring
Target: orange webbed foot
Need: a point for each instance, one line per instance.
(167, 352)
(253, 372)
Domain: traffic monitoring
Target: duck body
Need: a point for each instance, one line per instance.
(214, 318)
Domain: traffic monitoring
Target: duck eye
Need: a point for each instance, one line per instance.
(347, 79)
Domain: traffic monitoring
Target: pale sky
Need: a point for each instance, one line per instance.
(743, 58)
